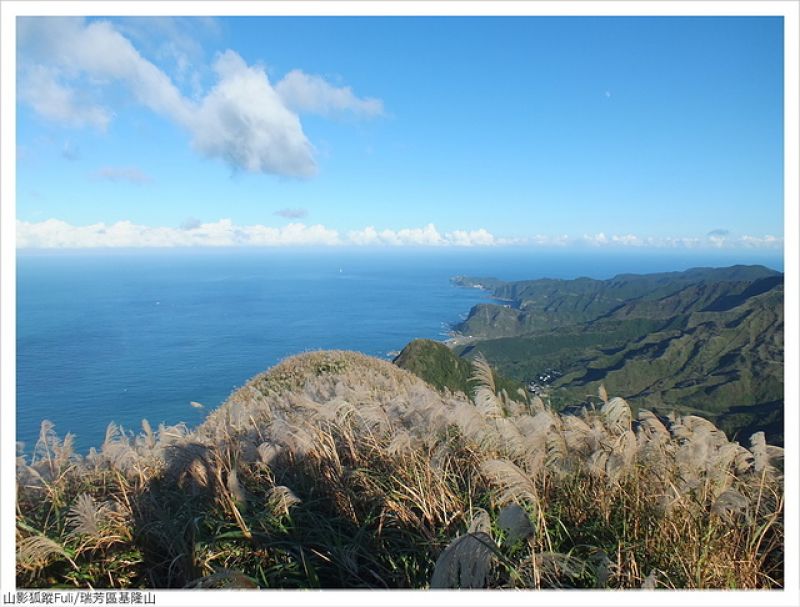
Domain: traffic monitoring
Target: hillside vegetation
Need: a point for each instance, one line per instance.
(704, 340)
(547, 303)
(436, 364)
(337, 470)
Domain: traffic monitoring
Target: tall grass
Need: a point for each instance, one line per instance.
(337, 470)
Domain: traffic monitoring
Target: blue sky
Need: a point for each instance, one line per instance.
(614, 132)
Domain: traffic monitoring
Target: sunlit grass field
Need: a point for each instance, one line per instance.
(337, 470)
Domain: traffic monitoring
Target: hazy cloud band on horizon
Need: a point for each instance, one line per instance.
(55, 233)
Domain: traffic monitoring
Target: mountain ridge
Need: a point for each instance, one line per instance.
(705, 340)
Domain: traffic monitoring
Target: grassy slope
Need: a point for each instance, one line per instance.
(440, 367)
(334, 469)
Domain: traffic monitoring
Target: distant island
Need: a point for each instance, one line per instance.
(706, 340)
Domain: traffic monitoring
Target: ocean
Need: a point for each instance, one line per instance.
(132, 335)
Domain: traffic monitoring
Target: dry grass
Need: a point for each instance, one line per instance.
(334, 469)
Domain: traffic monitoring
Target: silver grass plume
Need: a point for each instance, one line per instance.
(650, 581)
(514, 408)
(557, 453)
(758, 447)
(626, 446)
(651, 427)
(553, 566)
(774, 453)
(198, 471)
(185, 459)
(111, 433)
(45, 451)
(296, 438)
(223, 578)
(235, 489)
(465, 563)
(515, 521)
(64, 451)
(481, 521)
(47, 438)
(440, 457)
(35, 552)
(280, 499)
(537, 405)
(744, 461)
(616, 415)
(482, 373)
(487, 403)
(470, 422)
(603, 567)
(269, 452)
(93, 460)
(248, 448)
(374, 417)
(117, 450)
(601, 392)
(730, 504)
(597, 462)
(615, 467)
(536, 428)
(87, 518)
(719, 468)
(578, 435)
(21, 457)
(149, 437)
(513, 482)
(690, 427)
(485, 393)
(400, 443)
(169, 434)
(511, 440)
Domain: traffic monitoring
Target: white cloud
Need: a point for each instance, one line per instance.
(427, 236)
(291, 213)
(290, 235)
(542, 240)
(464, 238)
(190, 223)
(685, 242)
(768, 241)
(308, 93)
(40, 88)
(627, 240)
(55, 233)
(596, 239)
(175, 42)
(69, 151)
(129, 174)
(242, 120)
(71, 47)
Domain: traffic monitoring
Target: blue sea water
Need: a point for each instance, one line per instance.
(127, 335)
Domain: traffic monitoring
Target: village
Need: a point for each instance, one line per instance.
(538, 385)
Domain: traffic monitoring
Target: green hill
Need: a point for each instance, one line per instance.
(436, 364)
(544, 304)
(713, 346)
